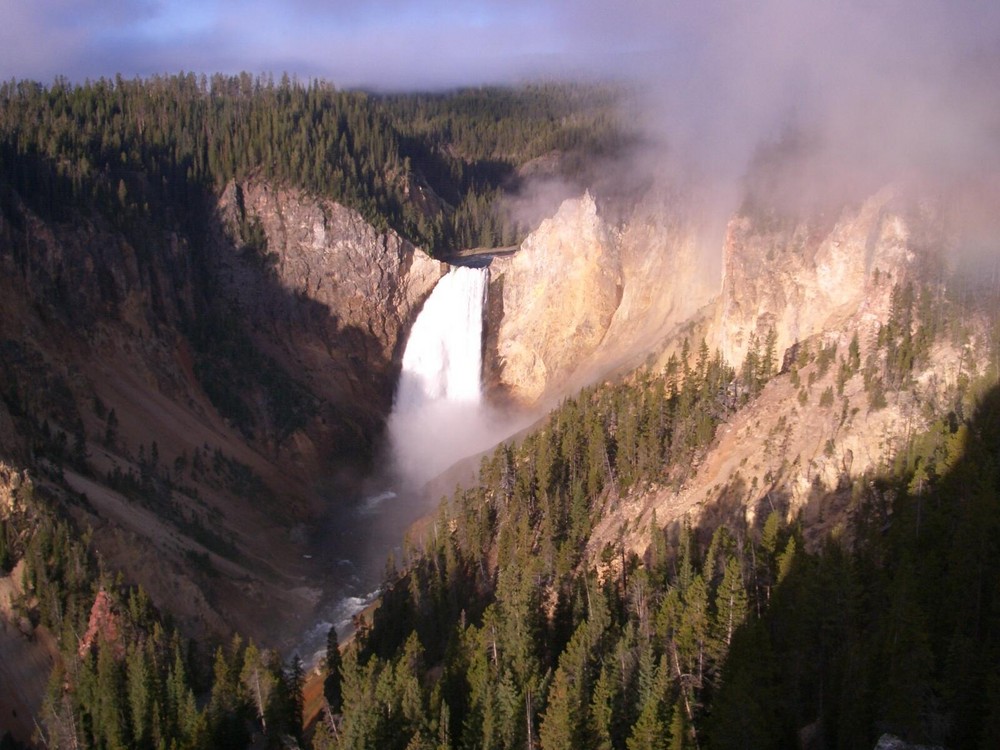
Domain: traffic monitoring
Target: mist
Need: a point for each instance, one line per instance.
(884, 88)
(862, 93)
(427, 442)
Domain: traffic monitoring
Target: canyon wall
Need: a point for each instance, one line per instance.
(583, 297)
(186, 389)
(252, 360)
(803, 275)
(327, 253)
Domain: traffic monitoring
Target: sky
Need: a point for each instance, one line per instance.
(886, 84)
(378, 43)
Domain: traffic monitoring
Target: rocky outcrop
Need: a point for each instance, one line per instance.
(327, 253)
(328, 297)
(801, 276)
(669, 273)
(11, 482)
(581, 297)
(560, 293)
(104, 627)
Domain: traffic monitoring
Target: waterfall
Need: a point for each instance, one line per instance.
(443, 356)
(437, 418)
(436, 415)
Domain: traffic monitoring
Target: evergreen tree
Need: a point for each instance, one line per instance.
(331, 684)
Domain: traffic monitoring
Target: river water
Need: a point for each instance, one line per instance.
(437, 419)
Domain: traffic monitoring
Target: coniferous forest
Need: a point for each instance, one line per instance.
(154, 147)
(494, 631)
(497, 634)
(501, 626)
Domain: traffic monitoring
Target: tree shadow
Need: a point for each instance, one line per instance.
(897, 632)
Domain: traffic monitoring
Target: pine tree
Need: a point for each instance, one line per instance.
(606, 708)
(768, 363)
(296, 686)
(648, 733)
(566, 718)
(730, 607)
(258, 683)
(331, 685)
(139, 678)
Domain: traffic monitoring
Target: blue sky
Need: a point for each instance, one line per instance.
(382, 43)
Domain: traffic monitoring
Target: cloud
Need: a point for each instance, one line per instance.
(887, 85)
(872, 91)
(884, 85)
(386, 43)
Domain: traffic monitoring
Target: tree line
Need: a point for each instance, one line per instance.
(155, 146)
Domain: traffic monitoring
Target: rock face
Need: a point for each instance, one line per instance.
(581, 298)
(333, 306)
(804, 276)
(560, 293)
(329, 254)
(669, 273)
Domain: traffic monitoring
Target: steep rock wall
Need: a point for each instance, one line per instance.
(801, 276)
(669, 274)
(329, 297)
(329, 254)
(582, 298)
(560, 292)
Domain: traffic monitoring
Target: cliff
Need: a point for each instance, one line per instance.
(330, 299)
(802, 275)
(328, 254)
(822, 284)
(582, 297)
(185, 388)
(583, 300)
(560, 292)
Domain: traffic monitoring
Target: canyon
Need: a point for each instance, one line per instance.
(91, 329)
(331, 302)
(578, 438)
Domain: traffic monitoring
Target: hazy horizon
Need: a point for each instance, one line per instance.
(884, 89)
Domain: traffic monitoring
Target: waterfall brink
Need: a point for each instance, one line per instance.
(443, 358)
(436, 417)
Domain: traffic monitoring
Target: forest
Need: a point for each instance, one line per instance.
(501, 627)
(496, 629)
(498, 632)
(158, 147)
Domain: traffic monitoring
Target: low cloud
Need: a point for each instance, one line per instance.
(882, 88)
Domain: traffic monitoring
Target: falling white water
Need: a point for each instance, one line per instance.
(444, 354)
(436, 417)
